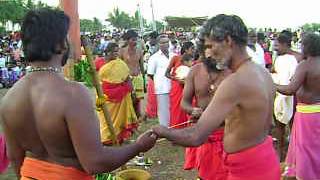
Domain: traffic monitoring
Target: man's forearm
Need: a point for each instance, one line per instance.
(187, 137)
(284, 89)
(119, 156)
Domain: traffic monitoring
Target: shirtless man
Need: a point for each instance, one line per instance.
(201, 84)
(303, 154)
(244, 100)
(134, 59)
(50, 125)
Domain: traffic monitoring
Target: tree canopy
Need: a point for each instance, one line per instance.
(87, 25)
(15, 10)
(123, 20)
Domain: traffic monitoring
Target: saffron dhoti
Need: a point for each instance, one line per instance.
(41, 170)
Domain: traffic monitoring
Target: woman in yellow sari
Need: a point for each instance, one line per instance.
(114, 77)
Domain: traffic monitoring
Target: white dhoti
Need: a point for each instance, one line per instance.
(163, 109)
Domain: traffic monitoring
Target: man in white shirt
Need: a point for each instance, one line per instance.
(284, 66)
(2, 60)
(254, 49)
(157, 66)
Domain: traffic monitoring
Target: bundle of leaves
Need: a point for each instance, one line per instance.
(82, 73)
(105, 176)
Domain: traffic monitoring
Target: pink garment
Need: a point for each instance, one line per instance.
(259, 162)
(303, 158)
(4, 162)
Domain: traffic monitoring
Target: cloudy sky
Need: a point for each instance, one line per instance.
(255, 13)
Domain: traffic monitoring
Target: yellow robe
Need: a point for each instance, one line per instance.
(122, 113)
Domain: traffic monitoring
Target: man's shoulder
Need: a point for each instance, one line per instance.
(197, 67)
(73, 87)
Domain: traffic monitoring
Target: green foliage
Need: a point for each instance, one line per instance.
(15, 10)
(87, 25)
(123, 20)
(311, 27)
(2, 30)
(82, 73)
(105, 176)
(160, 26)
(120, 19)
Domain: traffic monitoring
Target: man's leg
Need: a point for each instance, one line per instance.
(280, 135)
(163, 109)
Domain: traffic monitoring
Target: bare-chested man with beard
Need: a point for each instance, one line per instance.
(244, 101)
(134, 59)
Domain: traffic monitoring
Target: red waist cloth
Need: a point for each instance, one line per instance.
(116, 92)
(177, 114)
(41, 170)
(4, 161)
(151, 107)
(208, 158)
(256, 163)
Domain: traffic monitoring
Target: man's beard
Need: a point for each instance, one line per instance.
(222, 64)
(211, 65)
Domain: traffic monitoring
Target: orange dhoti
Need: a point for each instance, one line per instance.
(41, 170)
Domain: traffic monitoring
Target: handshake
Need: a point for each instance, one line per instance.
(148, 139)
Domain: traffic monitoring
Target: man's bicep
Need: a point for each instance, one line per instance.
(15, 151)
(83, 125)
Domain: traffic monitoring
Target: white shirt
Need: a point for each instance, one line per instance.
(157, 66)
(285, 67)
(258, 55)
(2, 62)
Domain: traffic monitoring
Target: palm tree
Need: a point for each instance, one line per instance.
(119, 19)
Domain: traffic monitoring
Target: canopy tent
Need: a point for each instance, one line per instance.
(185, 22)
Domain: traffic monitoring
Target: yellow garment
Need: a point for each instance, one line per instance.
(115, 71)
(308, 108)
(122, 113)
(137, 83)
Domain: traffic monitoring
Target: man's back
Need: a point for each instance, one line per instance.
(309, 92)
(34, 109)
(250, 120)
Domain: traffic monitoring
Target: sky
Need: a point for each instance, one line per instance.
(255, 13)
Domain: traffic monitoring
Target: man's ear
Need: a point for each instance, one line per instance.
(229, 41)
(61, 47)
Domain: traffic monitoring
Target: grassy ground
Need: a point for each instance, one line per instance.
(168, 159)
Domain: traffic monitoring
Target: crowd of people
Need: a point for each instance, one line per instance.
(11, 59)
(226, 93)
